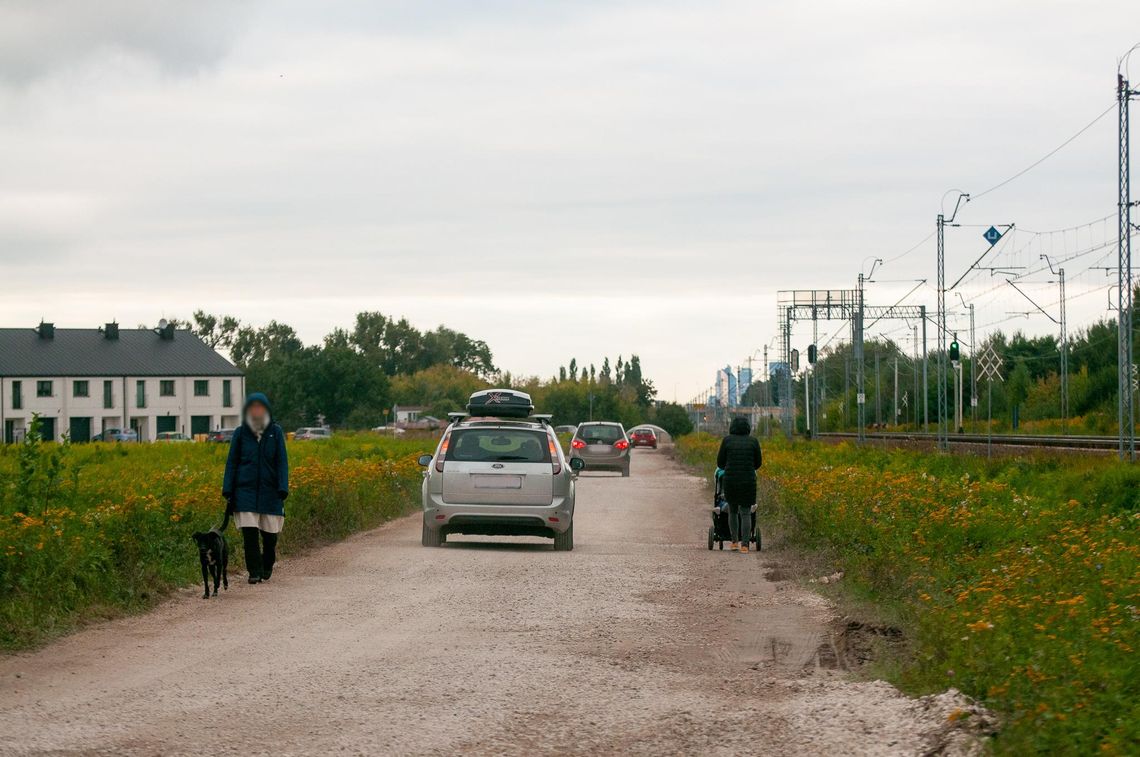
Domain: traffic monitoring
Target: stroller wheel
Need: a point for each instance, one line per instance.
(712, 538)
(757, 535)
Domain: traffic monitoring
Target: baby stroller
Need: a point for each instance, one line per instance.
(719, 531)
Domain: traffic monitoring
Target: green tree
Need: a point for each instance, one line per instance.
(673, 418)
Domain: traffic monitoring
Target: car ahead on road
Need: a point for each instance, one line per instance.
(643, 437)
(601, 446)
(312, 433)
(499, 471)
(117, 435)
(220, 436)
(171, 437)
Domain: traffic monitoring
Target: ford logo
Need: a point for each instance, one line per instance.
(497, 465)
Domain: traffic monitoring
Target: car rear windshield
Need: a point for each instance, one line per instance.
(600, 434)
(497, 445)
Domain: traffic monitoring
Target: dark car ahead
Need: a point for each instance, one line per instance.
(643, 437)
(220, 436)
(601, 446)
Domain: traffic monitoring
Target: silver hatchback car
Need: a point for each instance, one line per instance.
(601, 446)
(499, 477)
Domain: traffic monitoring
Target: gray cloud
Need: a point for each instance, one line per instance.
(39, 38)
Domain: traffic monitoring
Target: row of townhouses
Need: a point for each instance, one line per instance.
(84, 382)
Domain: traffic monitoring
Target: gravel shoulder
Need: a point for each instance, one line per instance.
(640, 641)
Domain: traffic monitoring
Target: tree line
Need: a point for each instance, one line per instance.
(355, 375)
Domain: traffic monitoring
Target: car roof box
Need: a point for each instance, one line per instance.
(500, 403)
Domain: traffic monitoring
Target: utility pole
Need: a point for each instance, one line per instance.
(878, 392)
(896, 389)
(914, 370)
(1064, 348)
(974, 362)
(973, 372)
(857, 325)
(943, 440)
(925, 380)
(1125, 412)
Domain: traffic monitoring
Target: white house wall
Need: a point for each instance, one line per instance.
(63, 406)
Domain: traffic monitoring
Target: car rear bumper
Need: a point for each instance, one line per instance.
(499, 520)
(604, 463)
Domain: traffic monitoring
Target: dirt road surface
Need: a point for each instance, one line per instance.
(640, 641)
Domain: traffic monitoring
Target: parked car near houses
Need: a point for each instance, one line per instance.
(499, 471)
(312, 433)
(117, 435)
(171, 437)
(601, 446)
(643, 437)
(220, 436)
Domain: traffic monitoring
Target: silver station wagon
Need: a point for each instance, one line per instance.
(499, 470)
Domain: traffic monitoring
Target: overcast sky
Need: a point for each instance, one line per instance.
(559, 179)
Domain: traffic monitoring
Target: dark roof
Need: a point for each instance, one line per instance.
(85, 352)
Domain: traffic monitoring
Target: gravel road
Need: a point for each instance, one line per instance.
(640, 641)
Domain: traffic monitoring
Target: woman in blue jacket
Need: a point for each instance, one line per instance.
(256, 485)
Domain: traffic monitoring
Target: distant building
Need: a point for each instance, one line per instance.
(406, 413)
(84, 382)
(726, 387)
(743, 381)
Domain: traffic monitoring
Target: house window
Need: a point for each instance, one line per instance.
(108, 394)
(43, 388)
(17, 395)
(166, 388)
(80, 389)
(227, 393)
(201, 388)
(140, 394)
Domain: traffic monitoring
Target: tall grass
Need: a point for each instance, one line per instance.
(96, 530)
(1018, 579)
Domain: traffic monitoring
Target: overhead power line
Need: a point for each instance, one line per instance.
(1046, 157)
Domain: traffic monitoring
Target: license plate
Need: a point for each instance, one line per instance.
(498, 482)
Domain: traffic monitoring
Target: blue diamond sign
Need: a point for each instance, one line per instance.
(992, 236)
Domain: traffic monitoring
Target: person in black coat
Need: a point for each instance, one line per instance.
(256, 484)
(739, 458)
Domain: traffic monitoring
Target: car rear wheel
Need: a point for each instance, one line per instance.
(625, 471)
(564, 542)
(431, 538)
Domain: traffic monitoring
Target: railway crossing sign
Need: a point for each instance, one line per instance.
(990, 364)
(1135, 378)
(905, 399)
(992, 235)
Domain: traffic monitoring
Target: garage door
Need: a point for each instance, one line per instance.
(47, 429)
(79, 429)
(166, 423)
(199, 424)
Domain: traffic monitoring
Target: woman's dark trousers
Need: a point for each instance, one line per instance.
(260, 552)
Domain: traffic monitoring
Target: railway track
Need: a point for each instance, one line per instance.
(1071, 442)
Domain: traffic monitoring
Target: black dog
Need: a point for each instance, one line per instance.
(214, 554)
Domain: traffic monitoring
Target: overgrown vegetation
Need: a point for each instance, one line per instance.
(1018, 579)
(1029, 398)
(96, 530)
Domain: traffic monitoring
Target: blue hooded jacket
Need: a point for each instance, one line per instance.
(257, 471)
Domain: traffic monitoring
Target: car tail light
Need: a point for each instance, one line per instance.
(442, 452)
(554, 464)
(621, 444)
(578, 444)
